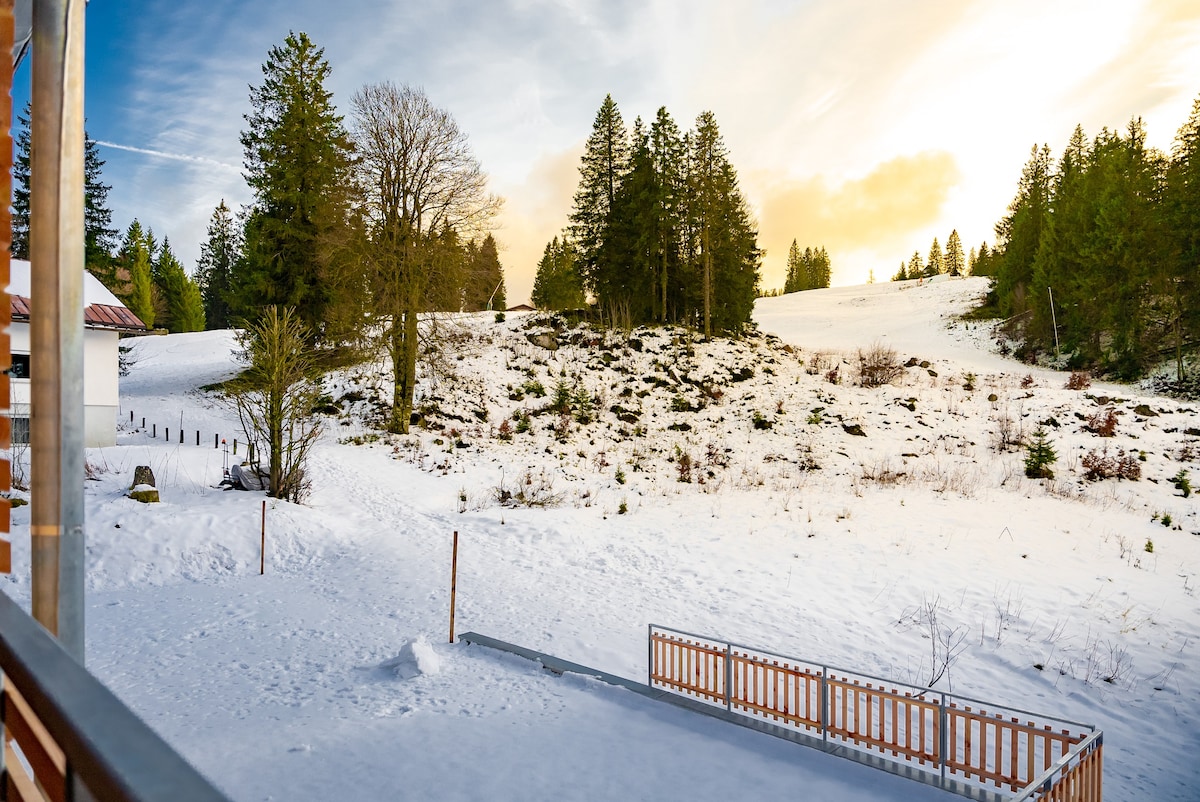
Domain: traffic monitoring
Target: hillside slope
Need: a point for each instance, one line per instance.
(750, 490)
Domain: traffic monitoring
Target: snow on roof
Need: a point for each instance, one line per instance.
(101, 309)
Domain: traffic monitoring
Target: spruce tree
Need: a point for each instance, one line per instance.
(602, 169)
(215, 267)
(902, 273)
(955, 262)
(915, 267)
(178, 306)
(1019, 233)
(557, 284)
(99, 235)
(1179, 279)
(298, 161)
(487, 278)
(935, 264)
(797, 271)
(668, 154)
(136, 265)
(1039, 456)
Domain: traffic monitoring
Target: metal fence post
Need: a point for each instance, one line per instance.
(824, 704)
(943, 737)
(649, 655)
(729, 677)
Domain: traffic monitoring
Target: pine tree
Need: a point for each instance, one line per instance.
(557, 284)
(20, 182)
(99, 236)
(1019, 233)
(797, 271)
(135, 260)
(178, 305)
(1039, 456)
(915, 267)
(668, 154)
(215, 267)
(902, 273)
(728, 257)
(298, 160)
(486, 278)
(935, 265)
(1179, 280)
(955, 263)
(605, 162)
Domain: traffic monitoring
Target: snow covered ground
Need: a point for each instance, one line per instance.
(331, 675)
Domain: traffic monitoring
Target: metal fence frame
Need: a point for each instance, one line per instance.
(79, 739)
(1042, 757)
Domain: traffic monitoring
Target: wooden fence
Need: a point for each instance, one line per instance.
(1040, 756)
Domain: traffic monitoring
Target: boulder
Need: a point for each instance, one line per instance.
(143, 488)
(544, 339)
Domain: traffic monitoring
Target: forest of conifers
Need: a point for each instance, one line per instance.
(1098, 257)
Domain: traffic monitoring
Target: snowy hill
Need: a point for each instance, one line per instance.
(726, 488)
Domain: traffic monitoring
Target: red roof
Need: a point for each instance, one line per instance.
(96, 316)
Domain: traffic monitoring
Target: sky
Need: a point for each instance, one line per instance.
(865, 126)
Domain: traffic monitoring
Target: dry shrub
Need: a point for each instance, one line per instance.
(1099, 465)
(878, 365)
(1103, 422)
(1079, 380)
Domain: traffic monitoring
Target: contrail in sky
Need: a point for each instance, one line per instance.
(183, 157)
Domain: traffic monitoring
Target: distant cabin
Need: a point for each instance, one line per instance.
(521, 308)
(104, 319)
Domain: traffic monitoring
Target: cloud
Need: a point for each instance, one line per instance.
(877, 212)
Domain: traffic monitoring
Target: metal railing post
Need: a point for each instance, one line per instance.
(824, 704)
(729, 677)
(649, 655)
(943, 736)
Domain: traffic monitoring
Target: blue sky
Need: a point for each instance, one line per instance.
(866, 126)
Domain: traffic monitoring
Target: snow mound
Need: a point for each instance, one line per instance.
(416, 657)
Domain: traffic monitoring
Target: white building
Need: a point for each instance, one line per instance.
(104, 318)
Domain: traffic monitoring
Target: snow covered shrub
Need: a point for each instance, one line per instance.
(878, 365)
(761, 421)
(1103, 422)
(532, 491)
(1039, 456)
(505, 430)
(1079, 380)
(1009, 433)
(683, 465)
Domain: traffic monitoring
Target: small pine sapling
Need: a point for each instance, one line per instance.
(1039, 456)
(1182, 483)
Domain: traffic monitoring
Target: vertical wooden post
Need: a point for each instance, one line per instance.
(262, 554)
(197, 437)
(453, 582)
(153, 430)
(216, 440)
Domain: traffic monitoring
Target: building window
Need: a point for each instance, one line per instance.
(20, 431)
(20, 366)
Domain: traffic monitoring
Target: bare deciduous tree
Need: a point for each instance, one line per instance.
(275, 397)
(422, 188)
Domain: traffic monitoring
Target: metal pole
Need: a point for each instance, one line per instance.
(453, 582)
(262, 553)
(1054, 320)
(56, 325)
(729, 677)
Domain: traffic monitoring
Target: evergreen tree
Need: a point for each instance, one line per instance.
(486, 282)
(627, 291)
(728, 256)
(982, 265)
(557, 284)
(178, 307)
(797, 271)
(298, 160)
(902, 273)
(915, 267)
(954, 262)
(99, 236)
(136, 261)
(20, 183)
(216, 265)
(668, 155)
(1039, 456)
(1178, 282)
(935, 265)
(605, 162)
(1019, 233)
